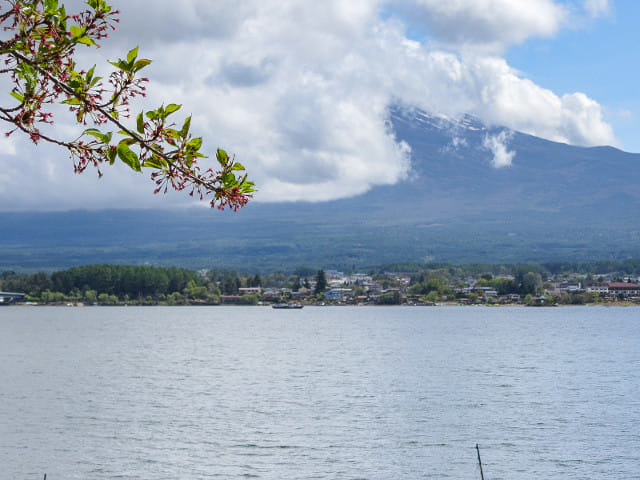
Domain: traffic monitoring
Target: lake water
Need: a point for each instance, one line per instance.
(319, 393)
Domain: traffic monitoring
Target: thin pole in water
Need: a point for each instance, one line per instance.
(479, 462)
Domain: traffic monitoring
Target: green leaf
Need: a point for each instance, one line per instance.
(237, 166)
(153, 163)
(103, 137)
(51, 6)
(185, 128)
(100, 5)
(140, 123)
(122, 65)
(247, 186)
(111, 155)
(195, 143)
(72, 101)
(172, 107)
(94, 132)
(229, 180)
(76, 31)
(132, 55)
(128, 156)
(18, 96)
(63, 17)
(140, 64)
(87, 41)
(222, 157)
(79, 35)
(90, 79)
(172, 133)
(128, 141)
(94, 81)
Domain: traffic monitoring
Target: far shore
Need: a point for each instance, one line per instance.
(326, 304)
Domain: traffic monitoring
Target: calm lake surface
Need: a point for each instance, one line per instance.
(319, 393)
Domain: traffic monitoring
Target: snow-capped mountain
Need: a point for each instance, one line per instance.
(474, 194)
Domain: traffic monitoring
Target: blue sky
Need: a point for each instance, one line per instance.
(300, 90)
(600, 57)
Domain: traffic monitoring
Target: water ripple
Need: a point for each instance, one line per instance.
(348, 393)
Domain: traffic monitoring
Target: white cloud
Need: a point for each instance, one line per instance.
(498, 145)
(596, 8)
(505, 98)
(9, 163)
(7, 145)
(300, 91)
(485, 24)
(458, 142)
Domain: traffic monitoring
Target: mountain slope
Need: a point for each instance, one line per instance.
(554, 202)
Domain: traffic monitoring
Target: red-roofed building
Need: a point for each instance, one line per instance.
(625, 290)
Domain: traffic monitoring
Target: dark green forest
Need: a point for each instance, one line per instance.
(119, 280)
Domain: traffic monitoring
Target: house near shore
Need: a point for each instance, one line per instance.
(622, 290)
(250, 290)
(601, 288)
(7, 298)
(569, 287)
(339, 294)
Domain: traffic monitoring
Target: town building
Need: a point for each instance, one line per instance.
(624, 290)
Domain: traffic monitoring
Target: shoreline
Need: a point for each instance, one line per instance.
(268, 305)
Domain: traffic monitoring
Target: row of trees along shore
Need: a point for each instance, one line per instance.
(144, 285)
(112, 284)
(147, 285)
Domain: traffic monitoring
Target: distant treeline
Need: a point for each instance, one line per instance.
(601, 267)
(113, 284)
(118, 280)
(179, 285)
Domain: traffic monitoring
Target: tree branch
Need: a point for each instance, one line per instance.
(70, 91)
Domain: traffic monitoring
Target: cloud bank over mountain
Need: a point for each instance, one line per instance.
(300, 91)
(489, 25)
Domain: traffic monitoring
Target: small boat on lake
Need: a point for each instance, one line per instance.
(287, 305)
